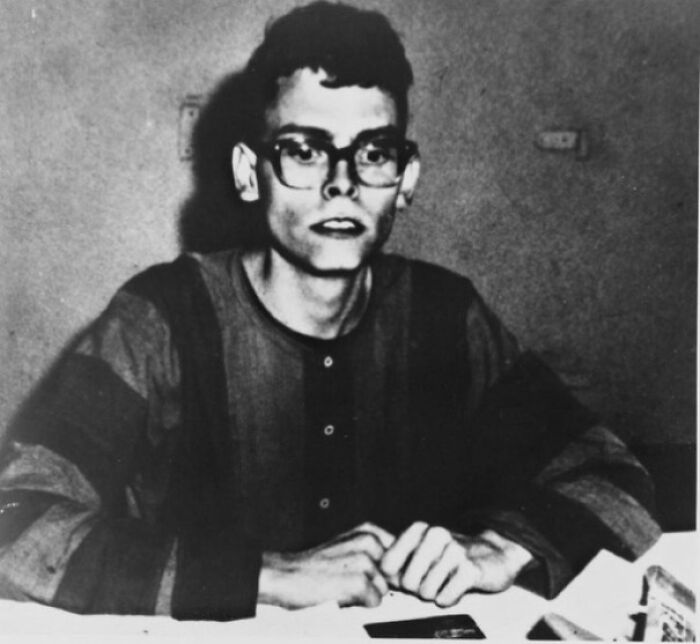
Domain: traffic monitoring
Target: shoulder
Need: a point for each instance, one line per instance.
(161, 279)
(440, 299)
(185, 285)
(142, 311)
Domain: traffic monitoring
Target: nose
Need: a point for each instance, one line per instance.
(340, 183)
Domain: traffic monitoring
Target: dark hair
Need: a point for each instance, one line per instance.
(353, 46)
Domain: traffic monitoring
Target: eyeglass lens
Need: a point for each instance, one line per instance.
(307, 164)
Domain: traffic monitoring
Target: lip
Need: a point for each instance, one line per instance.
(339, 228)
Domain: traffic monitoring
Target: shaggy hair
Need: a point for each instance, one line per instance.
(353, 46)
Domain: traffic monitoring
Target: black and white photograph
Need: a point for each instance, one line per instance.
(348, 319)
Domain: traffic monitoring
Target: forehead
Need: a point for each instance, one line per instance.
(343, 112)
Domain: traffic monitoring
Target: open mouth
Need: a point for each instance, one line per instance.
(339, 227)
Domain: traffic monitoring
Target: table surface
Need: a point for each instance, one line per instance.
(600, 600)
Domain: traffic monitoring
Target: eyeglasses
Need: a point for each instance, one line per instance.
(304, 162)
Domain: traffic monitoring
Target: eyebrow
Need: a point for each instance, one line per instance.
(325, 135)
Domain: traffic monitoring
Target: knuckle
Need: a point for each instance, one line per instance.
(446, 601)
(439, 534)
(470, 570)
(455, 552)
(381, 585)
(364, 562)
(464, 571)
(426, 591)
(409, 582)
(389, 565)
(414, 530)
(367, 542)
(451, 594)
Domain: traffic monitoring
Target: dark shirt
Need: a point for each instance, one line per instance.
(188, 431)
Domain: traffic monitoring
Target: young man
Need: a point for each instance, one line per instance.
(308, 419)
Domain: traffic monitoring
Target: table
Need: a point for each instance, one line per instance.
(599, 599)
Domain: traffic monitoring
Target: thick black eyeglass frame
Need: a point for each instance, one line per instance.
(407, 149)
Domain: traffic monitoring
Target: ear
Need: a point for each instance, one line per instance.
(408, 183)
(243, 165)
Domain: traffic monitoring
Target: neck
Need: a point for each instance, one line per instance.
(319, 306)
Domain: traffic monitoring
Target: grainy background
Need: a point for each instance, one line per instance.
(592, 262)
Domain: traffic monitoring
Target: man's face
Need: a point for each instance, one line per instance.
(337, 225)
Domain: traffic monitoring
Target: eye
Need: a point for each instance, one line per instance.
(377, 153)
(302, 152)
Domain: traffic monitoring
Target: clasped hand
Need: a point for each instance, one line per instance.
(359, 566)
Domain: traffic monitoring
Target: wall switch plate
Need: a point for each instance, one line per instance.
(189, 113)
(575, 141)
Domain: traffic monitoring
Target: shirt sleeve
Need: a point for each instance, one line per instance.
(565, 486)
(80, 502)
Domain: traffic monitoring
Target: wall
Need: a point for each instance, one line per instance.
(592, 262)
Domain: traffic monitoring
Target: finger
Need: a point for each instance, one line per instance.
(362, 592)
(367, 537)
(397, 555)
(372, 572)
(464, 578)
(385, 537)
(359, 562)
(352, 542)
(428, 553)
(370, 545)
(380, 583)
(371, 597)
(394, 581)
(438, 575)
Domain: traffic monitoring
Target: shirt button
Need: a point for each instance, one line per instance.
(328, 362)
(329, 430)
(324, 503)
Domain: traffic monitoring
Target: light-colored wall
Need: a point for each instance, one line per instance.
(591, 261)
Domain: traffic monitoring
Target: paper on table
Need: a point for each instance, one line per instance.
(604, 596)
(501, 616)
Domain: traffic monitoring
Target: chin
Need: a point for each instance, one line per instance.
(334, 268)
(336, 262)
(332, 260)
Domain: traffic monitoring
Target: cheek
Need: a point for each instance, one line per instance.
(286, 219)
(285, 208)
(384, 206)
(385, 224)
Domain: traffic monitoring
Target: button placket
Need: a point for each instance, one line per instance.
(330, 459)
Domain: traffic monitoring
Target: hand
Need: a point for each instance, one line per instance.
(441, 566)
(345, 569)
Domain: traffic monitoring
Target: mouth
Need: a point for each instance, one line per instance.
(339, 228)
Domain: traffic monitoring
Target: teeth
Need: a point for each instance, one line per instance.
(337, 224)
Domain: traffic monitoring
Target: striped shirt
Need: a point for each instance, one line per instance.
(187, 431)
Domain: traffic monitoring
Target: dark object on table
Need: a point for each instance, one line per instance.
(452, 627)
(556, 627)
